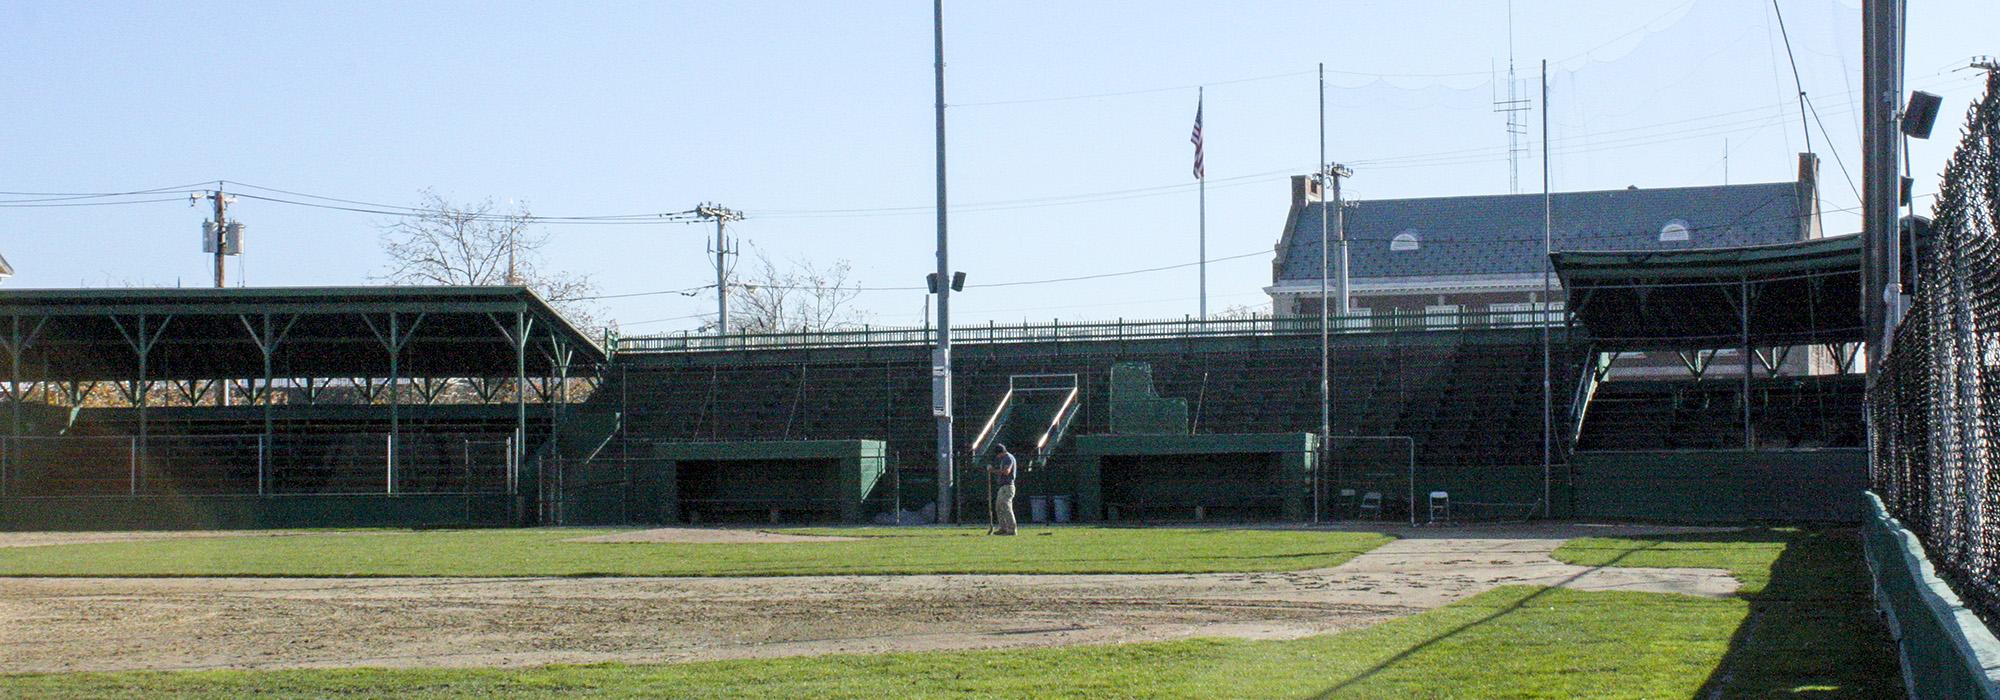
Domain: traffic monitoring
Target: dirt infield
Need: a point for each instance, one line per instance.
(75, 624)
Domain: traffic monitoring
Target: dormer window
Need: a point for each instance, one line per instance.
(1407, 240)
(1676, 230)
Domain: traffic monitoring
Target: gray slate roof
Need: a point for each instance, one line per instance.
(1500, 234)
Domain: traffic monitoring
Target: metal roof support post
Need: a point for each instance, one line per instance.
(142, 344)
(395, 397)
(394, 342)
(267, 343)
(560, 356)
(17, 345)
(1743, 320)
(13, 399)
(520, 451)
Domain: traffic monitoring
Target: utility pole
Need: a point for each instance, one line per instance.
(722, 250)
(1341, 292)
(224, 238)
(941, 357)
(215, 234)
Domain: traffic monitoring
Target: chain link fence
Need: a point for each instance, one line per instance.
(1935, 405)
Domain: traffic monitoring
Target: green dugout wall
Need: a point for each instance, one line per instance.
(1722, 485)
(809, 480)
(1233, 476)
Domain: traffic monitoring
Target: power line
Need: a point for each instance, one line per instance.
(66, 196)
(686, 217)
(648, 217)
(10, 205)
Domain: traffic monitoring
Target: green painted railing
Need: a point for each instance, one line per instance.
(1121, 329)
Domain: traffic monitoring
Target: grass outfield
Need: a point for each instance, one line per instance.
(545, 552)
(1511, 642)
(1811, 625)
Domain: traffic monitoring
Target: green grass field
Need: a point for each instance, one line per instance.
(546, 552)
(1803, 629)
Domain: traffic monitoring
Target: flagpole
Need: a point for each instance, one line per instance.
(1202, 177)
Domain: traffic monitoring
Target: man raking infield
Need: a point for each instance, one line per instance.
(1002, 472)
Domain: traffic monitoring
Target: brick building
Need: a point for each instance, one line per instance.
(1417, 262)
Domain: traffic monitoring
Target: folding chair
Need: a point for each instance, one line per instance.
(1440, 507)
(1371, 504)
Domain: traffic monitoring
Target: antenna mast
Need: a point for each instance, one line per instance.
(1513, 106)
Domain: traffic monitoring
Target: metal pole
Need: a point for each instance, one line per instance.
(1881, 88)
(1548, 292)
(1325, 364)
(941, 362)
(1202, 176)
(1412, 442)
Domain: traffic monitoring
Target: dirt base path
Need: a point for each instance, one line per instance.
(76, 624)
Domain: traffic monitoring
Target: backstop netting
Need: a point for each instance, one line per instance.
(1934, 408)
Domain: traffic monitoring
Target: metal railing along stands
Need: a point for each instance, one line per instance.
(1121, 329)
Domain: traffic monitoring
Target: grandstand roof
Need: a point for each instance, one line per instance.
(94, 334)
(1502, 234)
(1800, 293)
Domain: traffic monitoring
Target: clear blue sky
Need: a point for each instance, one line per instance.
(815, 118)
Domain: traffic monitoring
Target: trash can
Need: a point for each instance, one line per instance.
(1038, 509)
(1062, 508)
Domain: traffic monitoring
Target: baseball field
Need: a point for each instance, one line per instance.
(1472, 612)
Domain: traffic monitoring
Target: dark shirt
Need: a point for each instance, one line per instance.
(1004, 474)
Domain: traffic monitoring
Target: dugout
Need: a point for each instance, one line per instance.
(765, 481)
(281, 407)
(1243, 476)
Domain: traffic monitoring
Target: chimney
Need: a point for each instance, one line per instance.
(1305, 190)
(1305, 193)
(1809, 224)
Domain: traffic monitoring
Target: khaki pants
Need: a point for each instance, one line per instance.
(1003, 510)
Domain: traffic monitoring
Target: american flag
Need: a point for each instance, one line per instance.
(1196, 138)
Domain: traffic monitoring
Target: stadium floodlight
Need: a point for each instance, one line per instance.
(1920, 114)
(957, 282)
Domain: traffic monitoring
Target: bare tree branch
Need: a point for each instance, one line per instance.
(800, 298)
(470, 245)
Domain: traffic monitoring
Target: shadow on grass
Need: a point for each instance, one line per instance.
(1399, 657)
(1812, 631)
